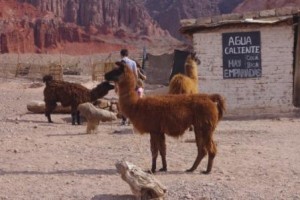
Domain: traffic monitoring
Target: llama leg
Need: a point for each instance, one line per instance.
(78, 117)
(73, 118)
(212, 150)
(73, 114)
(162, 151)
(91, 126)
(49, 109)
(154, 150)
(201, 150)
(94, 126)
(49, 117)
(88, 127)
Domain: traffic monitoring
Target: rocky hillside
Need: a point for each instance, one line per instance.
(227, 6)
(254, 5)
(106, 16)
(168, 13)
(75, 26)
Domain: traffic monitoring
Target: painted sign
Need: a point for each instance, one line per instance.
(241, 55)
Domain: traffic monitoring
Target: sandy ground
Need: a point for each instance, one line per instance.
(257, 159)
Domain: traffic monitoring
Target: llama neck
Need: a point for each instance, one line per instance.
(97, 93)
(93, 95)
(191, 71)
(128, 97)
(127, 102)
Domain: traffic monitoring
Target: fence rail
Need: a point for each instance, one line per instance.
(35, 66)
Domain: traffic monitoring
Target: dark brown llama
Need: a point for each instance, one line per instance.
(70, 94)
(169, 114)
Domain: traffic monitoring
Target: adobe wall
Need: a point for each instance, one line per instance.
(270, 94)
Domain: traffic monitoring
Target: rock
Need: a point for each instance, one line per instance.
(188, 196)
(103, 103)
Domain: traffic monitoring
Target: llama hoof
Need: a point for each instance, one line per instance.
(150, 171)
(189, 170)
(205, 172)
(163, 169)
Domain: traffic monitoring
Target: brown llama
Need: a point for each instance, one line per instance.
(70, 94)
(186, 83)
(169, 114)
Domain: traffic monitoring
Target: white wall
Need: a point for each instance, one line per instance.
(270, 94)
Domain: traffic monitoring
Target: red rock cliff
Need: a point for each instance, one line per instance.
(42, 25)
(111, 15)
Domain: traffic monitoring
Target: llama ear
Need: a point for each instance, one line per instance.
(121, 65)
(118, 63)
(193, 54)
(195, 57)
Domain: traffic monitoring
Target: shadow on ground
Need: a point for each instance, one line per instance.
(81, 172)
(113, 197)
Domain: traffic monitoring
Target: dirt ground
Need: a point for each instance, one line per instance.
(257, 159)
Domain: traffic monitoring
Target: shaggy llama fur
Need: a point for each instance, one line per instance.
(186, 83)
(70, 94)
(94, 115)
(169, 114)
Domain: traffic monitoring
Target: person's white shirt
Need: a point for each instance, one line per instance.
(131, 64)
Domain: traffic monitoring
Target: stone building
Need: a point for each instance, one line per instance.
(252, 59)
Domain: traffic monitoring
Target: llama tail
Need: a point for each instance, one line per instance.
(220, 101)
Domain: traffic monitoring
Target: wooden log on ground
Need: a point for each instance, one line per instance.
(143, 185)
(39, 107)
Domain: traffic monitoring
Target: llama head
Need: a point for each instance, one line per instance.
(104, 86)
(116, 74)
(47, 78)
(192, 57)
(122, 75)
(101, 90)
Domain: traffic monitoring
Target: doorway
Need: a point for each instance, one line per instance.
(296, 92)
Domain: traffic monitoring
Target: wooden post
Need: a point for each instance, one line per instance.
(143, 185)
(93, 66)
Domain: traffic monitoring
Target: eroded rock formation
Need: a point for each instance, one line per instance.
(48, 24)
